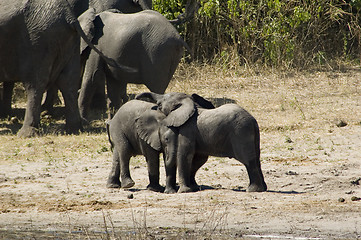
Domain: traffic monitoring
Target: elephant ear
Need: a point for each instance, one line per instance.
(86, 21)
(178, 107)
(148, 97)
(180, 112)
(202, 102)
(147, 127)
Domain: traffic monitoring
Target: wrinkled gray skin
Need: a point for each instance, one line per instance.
(124, 132)
(40, 45)
(124, 6)
(138, 129)
(196, 133)
(145, 41)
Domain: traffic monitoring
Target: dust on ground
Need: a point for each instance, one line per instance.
(54, 186)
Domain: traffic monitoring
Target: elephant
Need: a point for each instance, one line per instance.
(123, 134)
(129, 136)
(194, 133)
(145, 41)
(124, 6)
(40, 45)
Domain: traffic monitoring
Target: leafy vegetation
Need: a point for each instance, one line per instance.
(296, 33)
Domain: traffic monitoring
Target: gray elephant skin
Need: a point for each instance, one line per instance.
(196, 133)
(145, 41)
(129, 135)
(124, 132)
(39, 45)
(124, 6)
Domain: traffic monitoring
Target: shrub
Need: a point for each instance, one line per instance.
(295, 33)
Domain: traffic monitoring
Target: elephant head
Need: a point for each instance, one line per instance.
(178, 107)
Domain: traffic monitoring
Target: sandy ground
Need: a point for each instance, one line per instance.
(311, 164)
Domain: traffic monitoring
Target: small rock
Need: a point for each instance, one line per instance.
(130, 196)
(341, 123)
(354, 198)
(356, 182)
(291, 173)
(341, 199)
(288, 140)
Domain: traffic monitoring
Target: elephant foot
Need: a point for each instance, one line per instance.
(155, 188)
(76, 129)
(127, 183)
(27, 131)
(170, 190)
(185, 189)
(113, 183)
(257, 188)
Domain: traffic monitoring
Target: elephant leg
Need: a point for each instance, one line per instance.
(171, 177)
(93, 77)
(33, 109)
(256, 179)
(68, 83)
(126, 179)
(197, 162)
(99, 100)
(117, 94)
(5, 104)
(251, 159)
(152, 158)
(114, 175)
(184, 163)
(51, 97)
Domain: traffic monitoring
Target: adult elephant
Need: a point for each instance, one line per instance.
(145, 41)
(40, 45)
(124, 6)
(194, 133)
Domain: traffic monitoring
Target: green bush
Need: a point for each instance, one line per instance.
(292, 33)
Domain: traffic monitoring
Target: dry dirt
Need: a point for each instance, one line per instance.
(54, 186)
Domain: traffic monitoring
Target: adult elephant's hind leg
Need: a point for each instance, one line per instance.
(5, 102)
(93, 77)
(33, 109)
(68, 83)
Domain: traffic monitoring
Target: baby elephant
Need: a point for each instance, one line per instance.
(196, 133)
(123, 132)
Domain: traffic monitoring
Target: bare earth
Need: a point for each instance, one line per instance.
(54, 186)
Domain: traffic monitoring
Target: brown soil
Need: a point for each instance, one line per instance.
(54, 186)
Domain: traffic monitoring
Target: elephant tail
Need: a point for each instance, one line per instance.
(109, 138)
(257, 141)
